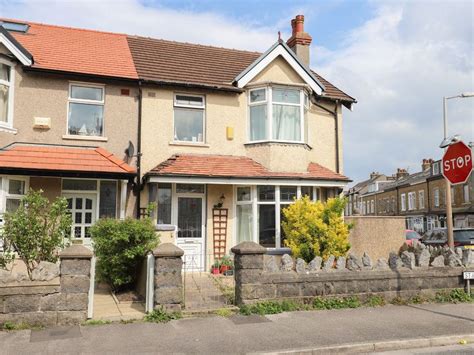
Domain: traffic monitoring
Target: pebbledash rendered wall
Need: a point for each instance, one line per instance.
(260, 277)
(58, 295)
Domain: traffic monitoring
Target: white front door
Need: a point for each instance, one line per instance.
(83, 208)
(190, 231)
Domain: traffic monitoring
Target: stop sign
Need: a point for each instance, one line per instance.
(457, 163)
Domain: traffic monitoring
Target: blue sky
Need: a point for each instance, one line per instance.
(398, 58)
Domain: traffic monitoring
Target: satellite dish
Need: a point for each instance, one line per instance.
(130, 151)
(450, 140)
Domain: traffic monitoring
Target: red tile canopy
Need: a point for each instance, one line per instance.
(225, 166)
(61, 160)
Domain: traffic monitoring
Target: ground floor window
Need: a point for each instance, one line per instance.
(12, 190)
(259, 211)
(89, 200)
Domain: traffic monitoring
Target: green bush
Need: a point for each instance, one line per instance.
(316, 228)
(161, 315)
(120, 246)
(36, 230)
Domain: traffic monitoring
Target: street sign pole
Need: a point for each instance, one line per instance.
(449, 207)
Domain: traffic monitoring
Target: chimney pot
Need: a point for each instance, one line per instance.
(299, 20)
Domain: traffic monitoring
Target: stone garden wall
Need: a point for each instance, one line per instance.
(261, 277)
(58, 294)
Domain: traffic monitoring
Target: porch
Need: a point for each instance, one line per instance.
(207, 220)
(95, 183)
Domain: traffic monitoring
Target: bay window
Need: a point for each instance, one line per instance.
(277, 114)
(189, 118)
(259, 212)
(86, 110)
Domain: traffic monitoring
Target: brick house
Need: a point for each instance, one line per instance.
(216, 133)
(421, 198)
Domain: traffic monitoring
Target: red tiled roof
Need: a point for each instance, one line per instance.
(74, 50)
(77, 50)
(61, 158)
(215, 166)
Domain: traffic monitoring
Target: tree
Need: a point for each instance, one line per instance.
(36, 230)
(316, 228)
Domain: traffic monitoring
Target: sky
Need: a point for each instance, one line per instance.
(397, 58)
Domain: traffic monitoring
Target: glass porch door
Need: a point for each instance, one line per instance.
(83, 210)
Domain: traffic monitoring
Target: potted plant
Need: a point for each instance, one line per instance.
(215, 268)
(226, 265)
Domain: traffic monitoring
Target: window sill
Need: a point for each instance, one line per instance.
(8, 129)
(190, 144)
(165, 227)
(85, 138)
(271, 142)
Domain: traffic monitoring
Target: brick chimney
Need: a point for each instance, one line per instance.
(426, 164)
(401, 173)
(299, 41)
(374, 174)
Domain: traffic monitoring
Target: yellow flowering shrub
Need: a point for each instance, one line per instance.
(316, 228)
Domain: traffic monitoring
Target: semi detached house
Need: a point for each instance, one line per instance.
(221, 139)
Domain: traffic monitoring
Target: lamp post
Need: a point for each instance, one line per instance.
(445, 144)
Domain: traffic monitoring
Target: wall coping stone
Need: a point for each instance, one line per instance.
(168, 250)
(248, 248)
(293, 277)
(76, 252)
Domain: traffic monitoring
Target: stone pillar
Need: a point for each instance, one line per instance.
(248, 271)
(168, 279)
(75, 283)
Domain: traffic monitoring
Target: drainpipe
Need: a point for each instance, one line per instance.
(336, 128)
(138, 186)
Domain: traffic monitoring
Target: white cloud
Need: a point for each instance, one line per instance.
(133, 17)
(399, 65)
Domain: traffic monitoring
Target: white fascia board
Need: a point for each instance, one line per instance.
(243, 181)
(14, 50)
(272, 55)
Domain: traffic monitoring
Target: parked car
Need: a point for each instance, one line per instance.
(411, 235)
(463, 237)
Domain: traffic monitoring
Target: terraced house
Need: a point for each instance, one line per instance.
(225, 138)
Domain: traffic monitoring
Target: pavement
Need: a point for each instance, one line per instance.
(363, 330)
(106, 307)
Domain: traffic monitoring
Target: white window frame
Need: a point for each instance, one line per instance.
(269, 102)
(372, 206)
(421, 199)
(436, 197)
(88, 102)
(403, 204)
(4, 195)
(202, 107)
(465, 193)
(316, 193)
(411, 201)
(8, 125)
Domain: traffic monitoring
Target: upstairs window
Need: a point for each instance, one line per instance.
(86, 110)
(6, 94)
(189, 118)
(277, 114)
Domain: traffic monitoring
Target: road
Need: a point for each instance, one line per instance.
(394, 326)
